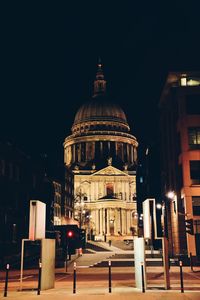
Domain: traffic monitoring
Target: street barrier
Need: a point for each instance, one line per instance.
(109, 277)
(6, 280)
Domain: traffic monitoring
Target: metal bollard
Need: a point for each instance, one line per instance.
(39, 278)
(6, 281)
(74, 281)
(191, 262)
(181, 276)
(109, 277)
(142, 272)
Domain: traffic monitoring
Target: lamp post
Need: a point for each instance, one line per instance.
(79, 210)
(165, 249)
(161, 207)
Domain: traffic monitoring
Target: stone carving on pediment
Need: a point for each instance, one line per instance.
(110, 171)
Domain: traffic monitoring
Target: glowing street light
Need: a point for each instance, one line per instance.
(171, 195)
(158, 205)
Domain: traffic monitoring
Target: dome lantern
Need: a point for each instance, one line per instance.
(99, 83)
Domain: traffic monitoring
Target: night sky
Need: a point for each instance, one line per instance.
(49, 59)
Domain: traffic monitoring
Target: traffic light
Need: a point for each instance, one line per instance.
(189, 226)
(70, 234)
(72, 238)
(58, 236)
(68, 237)
(82, 237)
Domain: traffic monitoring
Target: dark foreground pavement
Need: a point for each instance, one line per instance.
(97, 294)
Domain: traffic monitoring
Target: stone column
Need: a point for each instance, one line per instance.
(104, 220)
(128, 221)
(120, 220)
(123, 223)
(132, 159)
(97, 221)
(123, 190)
(127, 191)
(108, 221)
(115, 223)
(73, 153)
(92, 191)
(101, 215)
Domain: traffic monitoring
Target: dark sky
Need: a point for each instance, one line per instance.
(49, 58)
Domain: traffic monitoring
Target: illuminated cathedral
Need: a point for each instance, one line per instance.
(102, 155)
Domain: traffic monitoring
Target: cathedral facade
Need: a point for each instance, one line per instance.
(102, 154)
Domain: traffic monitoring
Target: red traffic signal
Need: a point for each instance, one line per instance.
(70, 234)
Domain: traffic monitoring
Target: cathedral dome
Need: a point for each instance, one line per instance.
(100, 109)
(99, 113)
(100, 131)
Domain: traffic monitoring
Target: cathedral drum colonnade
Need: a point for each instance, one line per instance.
(102, 154)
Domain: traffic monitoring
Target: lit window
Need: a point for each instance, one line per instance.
(183, 81)
(193, 82)
(194, 137)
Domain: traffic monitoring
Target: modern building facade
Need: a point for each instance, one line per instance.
(57, 203)
(68, 196)
(102, 154)
(180, 141)
(19, 179)
(22, 179)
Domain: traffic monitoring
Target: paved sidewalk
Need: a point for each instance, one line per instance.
(95, 290)
(96, 293)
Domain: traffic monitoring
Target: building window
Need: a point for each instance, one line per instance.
(195, 171)
(196, 205)
(183, 81)
(193, 104)
(194, 137)
(109, 189)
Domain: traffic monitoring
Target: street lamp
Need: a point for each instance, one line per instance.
(171, 195)
(79, 210)
(161, 207)
(172, 198)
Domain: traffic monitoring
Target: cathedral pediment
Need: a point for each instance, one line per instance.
(111, 171)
